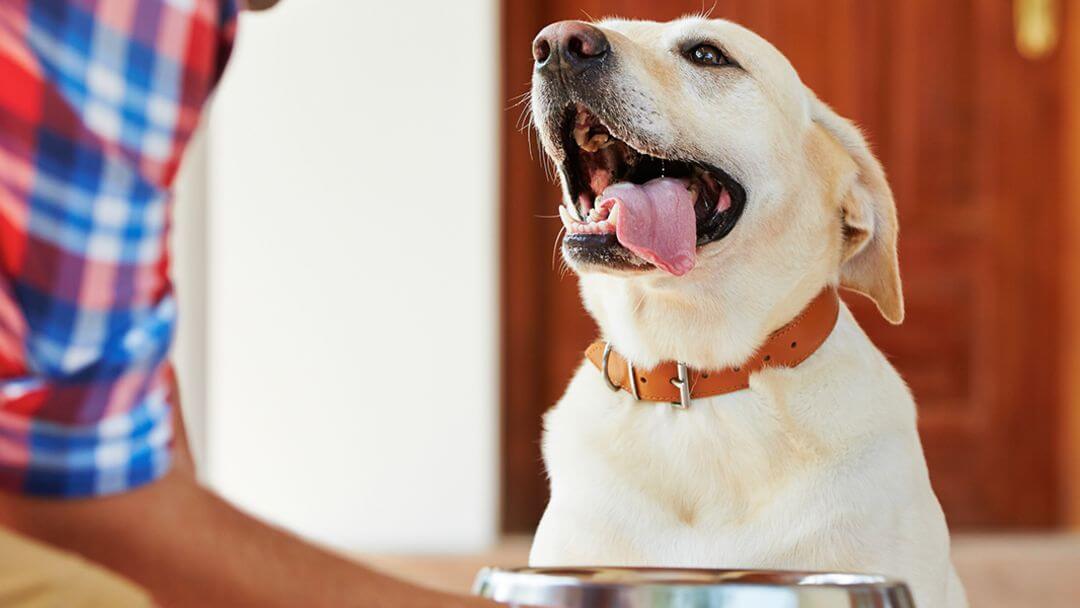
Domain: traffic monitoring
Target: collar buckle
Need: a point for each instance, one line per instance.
(631, 380)
(682, 382)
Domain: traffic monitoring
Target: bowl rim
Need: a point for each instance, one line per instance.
(624, 586)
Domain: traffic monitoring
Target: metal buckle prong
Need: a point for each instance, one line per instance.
(632, 380)
(683, 384)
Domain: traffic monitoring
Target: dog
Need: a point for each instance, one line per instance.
(711, 201)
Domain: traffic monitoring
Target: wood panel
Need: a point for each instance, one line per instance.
(1070, 379)
(969, 133)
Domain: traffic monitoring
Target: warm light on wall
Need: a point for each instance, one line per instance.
(1037, 26)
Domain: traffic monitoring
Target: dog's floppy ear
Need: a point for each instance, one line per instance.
(869, 264)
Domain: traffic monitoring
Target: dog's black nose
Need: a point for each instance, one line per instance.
(573, 43)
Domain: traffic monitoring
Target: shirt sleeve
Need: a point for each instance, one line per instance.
(97, 102)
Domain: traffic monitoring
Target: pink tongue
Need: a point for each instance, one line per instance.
(656, 221)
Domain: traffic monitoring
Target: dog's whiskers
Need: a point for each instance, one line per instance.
(525, 117)
(564, 269)
(520, 99)
(555, 250)
(545, 162)
(704, 13)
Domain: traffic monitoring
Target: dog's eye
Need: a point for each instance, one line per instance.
(706, 54)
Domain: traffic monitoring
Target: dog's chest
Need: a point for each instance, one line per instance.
(726, 485)
(722, 465)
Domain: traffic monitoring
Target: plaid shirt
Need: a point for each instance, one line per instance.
(97, 100)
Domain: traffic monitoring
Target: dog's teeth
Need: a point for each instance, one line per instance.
(572, 211)
(564, 215)
(605, 227)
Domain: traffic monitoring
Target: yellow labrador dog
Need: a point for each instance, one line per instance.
(712, 206)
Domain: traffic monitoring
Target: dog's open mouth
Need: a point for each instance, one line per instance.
(657, 210)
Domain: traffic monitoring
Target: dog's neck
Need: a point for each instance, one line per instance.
(655, 319)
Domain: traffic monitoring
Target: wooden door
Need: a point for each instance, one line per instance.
(969, 133)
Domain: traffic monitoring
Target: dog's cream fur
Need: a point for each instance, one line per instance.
(817, 467)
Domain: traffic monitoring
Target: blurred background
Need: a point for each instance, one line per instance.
(364, 240)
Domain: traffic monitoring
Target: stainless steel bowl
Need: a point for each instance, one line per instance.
(663, 588)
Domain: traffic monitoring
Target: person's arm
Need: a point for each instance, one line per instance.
(188, 547)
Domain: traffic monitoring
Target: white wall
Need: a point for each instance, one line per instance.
(189, 274)
(352, 291)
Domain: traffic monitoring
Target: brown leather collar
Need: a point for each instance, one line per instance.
(673, 382)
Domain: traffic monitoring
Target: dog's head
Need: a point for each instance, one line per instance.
(694, 162)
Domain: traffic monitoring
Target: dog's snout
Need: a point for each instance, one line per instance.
(572, 43)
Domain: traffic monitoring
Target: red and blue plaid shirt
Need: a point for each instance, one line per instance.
(98, 99)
